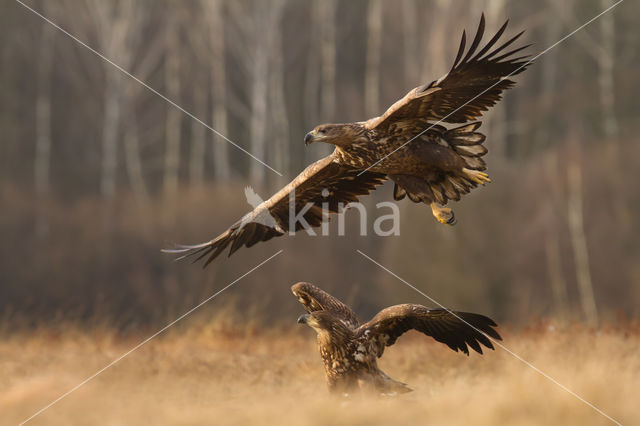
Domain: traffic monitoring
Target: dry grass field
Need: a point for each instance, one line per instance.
(224, 375)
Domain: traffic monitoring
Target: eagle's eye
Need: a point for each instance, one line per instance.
(322, 131)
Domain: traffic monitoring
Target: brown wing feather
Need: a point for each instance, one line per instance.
(342, 184)
(454, 329)
(473, 84)
(314, 299)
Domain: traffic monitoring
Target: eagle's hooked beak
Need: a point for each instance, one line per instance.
(309, 137)
(302, 319)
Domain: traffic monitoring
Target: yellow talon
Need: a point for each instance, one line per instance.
(443, 215)
(476, 176)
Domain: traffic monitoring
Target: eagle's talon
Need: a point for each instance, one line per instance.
(443, 215)
(476, 176)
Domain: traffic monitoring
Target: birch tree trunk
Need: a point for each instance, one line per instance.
(280, 131)
(312, 94)
(327, 12)
(114, 23)
(496, 119)
(260, 79)
(198, 135)
(42, 160)
(606, 78)
(374, 51)
(214, 11)
(553, 253)
(432, 49)
(136, 16)
(606, 83)
(552, 237)
(410, 39)
(110, 128)
(548, 70)
(174, 116)
(579, 240)
(132, 160)
(328, 54)
(603, 51)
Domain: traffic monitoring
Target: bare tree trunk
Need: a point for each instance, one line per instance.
(606, 80)
(222, 170)
(433, 50)
(149, 59)
(410, 27)
(549, 69)
(553, 253)
(579, 240)
(320, 80)
(132, 157)
(552, 238)
(174, 116)
(312, 74)
(43, 130)
(312, 94)
(374, 51)
(198, 136)
(114, 23)
(556, 276)
(604, 53)
(327, 18)
(497, 122)
(606, 83)
(328, 54)
(280, 133)
(110, 128)
(260, 76)
(114, 28)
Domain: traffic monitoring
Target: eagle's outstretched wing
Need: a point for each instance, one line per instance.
(322, 187)
(474, 83)
(314, 299)
(443, 325)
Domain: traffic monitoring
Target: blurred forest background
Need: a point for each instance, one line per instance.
(97, 173)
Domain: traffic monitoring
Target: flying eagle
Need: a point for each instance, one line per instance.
(428, 162)
(349, 350)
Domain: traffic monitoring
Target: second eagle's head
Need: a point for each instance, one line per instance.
(328, 326)
(336, 134)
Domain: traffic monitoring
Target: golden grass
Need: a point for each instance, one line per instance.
(217, 375)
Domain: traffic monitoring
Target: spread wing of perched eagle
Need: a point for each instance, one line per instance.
(427, 161)
(349, 349)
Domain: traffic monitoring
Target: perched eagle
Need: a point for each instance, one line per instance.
(349, 349)
(428, 162)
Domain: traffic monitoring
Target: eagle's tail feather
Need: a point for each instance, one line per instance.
(392, 387)
(468, 144)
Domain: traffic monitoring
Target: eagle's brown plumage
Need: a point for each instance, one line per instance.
(428, 162)
(349, 350)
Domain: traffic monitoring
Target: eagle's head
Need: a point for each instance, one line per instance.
(310, 320)
(335, 134)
